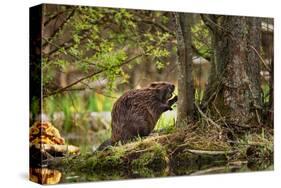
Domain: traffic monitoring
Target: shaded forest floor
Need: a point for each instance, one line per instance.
(188, 148)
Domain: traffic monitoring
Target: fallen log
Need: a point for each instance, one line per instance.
(156, 153)
(181, 152)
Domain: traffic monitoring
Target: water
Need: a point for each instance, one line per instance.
(54, 176)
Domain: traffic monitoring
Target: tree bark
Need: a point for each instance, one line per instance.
(235, 86)
(253, 65)
(185, 107)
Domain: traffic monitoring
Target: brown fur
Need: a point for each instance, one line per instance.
(137, 111)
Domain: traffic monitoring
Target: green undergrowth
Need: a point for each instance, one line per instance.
(76, 103)
(184, 149)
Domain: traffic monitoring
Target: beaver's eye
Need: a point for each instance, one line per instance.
(153, 84)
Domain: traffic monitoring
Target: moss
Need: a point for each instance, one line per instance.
(101, 161)
(156, 158)
(112, 160)
(182, 152)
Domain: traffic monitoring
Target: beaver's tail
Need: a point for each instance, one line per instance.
(105, 144)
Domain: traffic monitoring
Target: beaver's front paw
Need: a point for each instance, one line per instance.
(173, 100)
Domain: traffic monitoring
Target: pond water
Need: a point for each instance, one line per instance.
(54, 176)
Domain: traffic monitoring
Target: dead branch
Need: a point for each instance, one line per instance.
(260, 57)
(206, 117)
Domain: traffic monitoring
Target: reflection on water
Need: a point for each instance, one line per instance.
(45, 175)
(51, 176)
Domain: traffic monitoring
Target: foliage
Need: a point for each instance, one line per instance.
(72, 104)
(201, 37)
(100, 39)
(166, 123)
(265, 90)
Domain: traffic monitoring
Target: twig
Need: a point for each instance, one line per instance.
(159, 25)
(218, 112)
(55, 16)
(206, 117)
(66, 45)
(209, 22)
(58, 47)
(165, 29)
(91, 75)
(262, 60)
(60, 27)
(97, 91)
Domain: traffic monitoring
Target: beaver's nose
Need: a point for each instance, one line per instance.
(173, 87)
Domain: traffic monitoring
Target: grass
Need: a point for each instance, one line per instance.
(266, 90)
(166, 123)
(147, 156)
(199, 94)
(75, 103)
(71, 104)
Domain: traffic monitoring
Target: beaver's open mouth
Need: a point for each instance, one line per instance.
(170, 94)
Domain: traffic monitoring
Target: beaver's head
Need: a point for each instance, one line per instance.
(164, 89)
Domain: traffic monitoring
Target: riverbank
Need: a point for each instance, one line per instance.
(181, 151)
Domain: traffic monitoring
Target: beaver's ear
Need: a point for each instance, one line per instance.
(153, 84)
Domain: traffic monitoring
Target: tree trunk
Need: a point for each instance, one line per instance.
(185, 82)
(235, 87)
(253, 65)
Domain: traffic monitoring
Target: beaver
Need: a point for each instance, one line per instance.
(137, 111)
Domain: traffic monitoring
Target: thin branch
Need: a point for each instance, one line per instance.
(61, 26)
(260, 57)
(206, 117)
(56, 16)
(97, 91)
(159, 25)
(72, 55)
(66, 45)
(208, 22)
(165, 29)
(91, 75)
